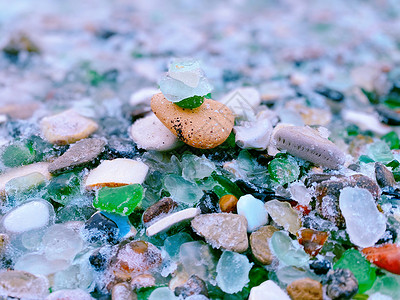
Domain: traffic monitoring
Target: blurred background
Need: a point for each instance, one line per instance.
(99, 49)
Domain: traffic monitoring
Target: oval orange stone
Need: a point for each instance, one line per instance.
(386, 257)
(227, 203)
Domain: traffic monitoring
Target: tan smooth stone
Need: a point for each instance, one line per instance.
(67, 127)
(259, 243)
(227, 203)
(122, 291)
(305, 289)
(20, 284)
(223, 230)
(204, 127)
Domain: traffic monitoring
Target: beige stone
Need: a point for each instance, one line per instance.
(305, 289)
(205, 127)
(21, 284)
(259, 243)
(223, 230)
(67, 127)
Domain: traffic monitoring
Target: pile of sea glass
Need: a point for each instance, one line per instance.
(108, 192)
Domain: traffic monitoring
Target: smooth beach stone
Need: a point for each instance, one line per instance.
(284, 215)
(306, 143)
(204, 127)
(117, 172)
(164, 206)
(14, 173)
(80, 153)
(28, 216)
(120, 200)
(171, 220)
(74, 294)
(341, 284)
(312, 240)
(233, 272)
(359, 266)
(384, 177)
(385, 256)
(222, 230)
(21, 111)
(134, 258)
(364, 223)
(305, 289)
(193, 286)
(259, 243)
(253, 210)
(268, 290)
(150, 134)
(20, 284)
(67, 127)
(227, 203)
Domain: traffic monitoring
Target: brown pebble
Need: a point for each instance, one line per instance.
(164, 206)
(259, 243)
(305, 289)
(383, 176)
(122, 291)
(193, 286)
(227, 203)
(204, 127)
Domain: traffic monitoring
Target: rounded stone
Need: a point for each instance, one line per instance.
(204, 127)
(305, 289)
(227, 203)
(259, 243)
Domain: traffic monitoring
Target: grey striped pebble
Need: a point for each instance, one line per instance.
(306, 143)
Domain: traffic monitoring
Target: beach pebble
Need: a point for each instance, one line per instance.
(117, 172)
(150, 134)
(204, 127)
(259, 243)
(164, 206)
(20, 284)
(227, 203)
(222, 230)
(384, 256)
(254, 134)
(41, 168)
(341, 284)
(28, 216)
(172, 219)
(242, 101)
(100, 228)
(69, 295)
(19, 110)
(143, 96)
(366, 121)
(83, 151)
(305, 289)
(193, 286)
(268, 290)
(307, 143)
(253, 210)
(67, 127)
(384, 177)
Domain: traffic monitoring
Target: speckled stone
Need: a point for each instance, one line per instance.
(305, 289)
(164, 206)
(222, 230)
(204, 127)
(383, 176)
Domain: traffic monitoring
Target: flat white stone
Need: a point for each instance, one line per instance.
(268, 290)
(23, 171)
(172, 219)
(366, 121)
(31, 215)
(117, 172)
(150, 133)
(67, 127)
